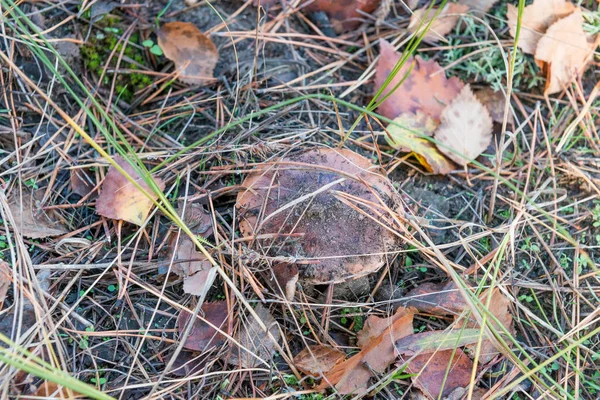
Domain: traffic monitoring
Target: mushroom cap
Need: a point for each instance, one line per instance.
(293, 208)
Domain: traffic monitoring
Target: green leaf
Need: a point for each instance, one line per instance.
(148, 43)
(111, 288)
(429, 342)
(156, 50)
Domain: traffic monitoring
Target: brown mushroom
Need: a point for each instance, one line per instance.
(326, 208)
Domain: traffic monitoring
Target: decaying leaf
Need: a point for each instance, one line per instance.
(441, 26)
(425, 89)
(537, 17)
(203, 336)
(252, 337)
(82, 181)
(192, 52)
(479, 5)
(352, 375)
(194, 216)
(494, 102)
(564, 52)
(191, 264)
(499, 307)
(286, 275)
(406, 134)
(187, 363)
(440, 372)
(344, 15)
(436, 299)
(373, 327)
(307, 206)
(466, 128)
(318, 359)
(30, 219)
(120, 199)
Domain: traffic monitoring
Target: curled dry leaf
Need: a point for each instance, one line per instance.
(352, 375)
(436, 299)
(31, 220)
(120, 199)
(425, 89)
(537, 17)
(564, 52)
(466, 128)
(407, 134)
(192, 52)
(442, 25)
(439, 374)
(499, 308)
(202, 335)
(312, 204)
(494, 102)
(255, 341)
(344, 15)
(318, 359)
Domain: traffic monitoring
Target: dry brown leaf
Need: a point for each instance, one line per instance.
(82, 181)
(432, 376)
(564, 51)
(286, 275)
(120, 199)
(30, 219)
(311, 210)
(5, 281)
(436, 299)
(352, 375)
(318, 359)
(406, 134)
(466, 128)
(192, 52)
(443, 24)
(202, 335)
(194, 216)
(479, 5)
(51, 390)
(344, 15)
(191, 264)
(499, 307)
(374, 327)
(537, 17)
(494, 102)
(253, 338)
(425, 89)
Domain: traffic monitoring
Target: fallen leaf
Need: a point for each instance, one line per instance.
(479, 5)
(203, 336)
(499, 307)
(5, 281)
(191, 264)
(194, 216)
(187, 363)
(441, 26)
(120, 199)
(373, 327)
(433, 376)
(436, 299)
(494, 102)
(51, 390)
(564, 52)
(82, 182)
(430, 342)
(286, 275)
(537, 17)
(407, 134)
(192, 52)
(253, 338)
(352, 375)
(310, 214)
(318, 359)
(466, 128)
(344, 15)
(30, 219)
(425, 88)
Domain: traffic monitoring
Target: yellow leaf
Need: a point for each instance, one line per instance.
(408, 132)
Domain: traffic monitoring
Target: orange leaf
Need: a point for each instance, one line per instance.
(192, 52)
(443, 24)
(537, 17)
(352, 375)
(120, 199)
(344, 15)
(566, 50)
(318, 359)
(425, 88)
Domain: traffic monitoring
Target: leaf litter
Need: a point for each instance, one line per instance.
(443, 23)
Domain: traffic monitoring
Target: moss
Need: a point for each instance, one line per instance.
(97, 50)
